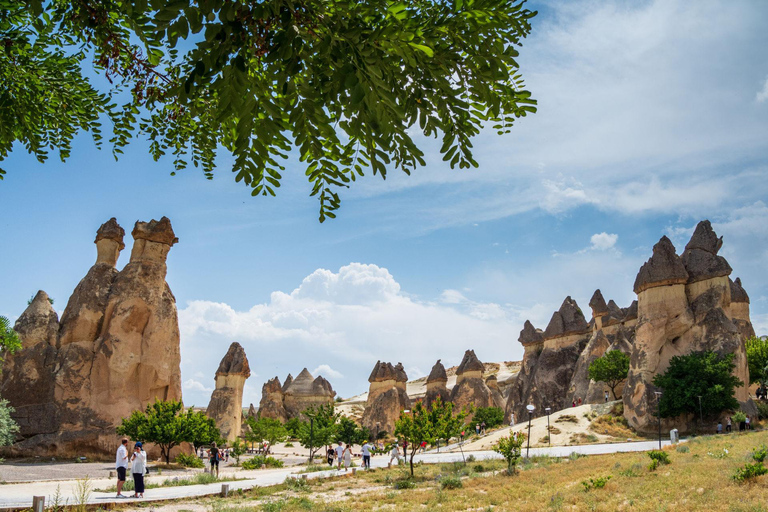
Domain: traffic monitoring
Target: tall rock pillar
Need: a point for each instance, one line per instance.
(226, 405)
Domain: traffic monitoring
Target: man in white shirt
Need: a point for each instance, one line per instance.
(121, 464)
(339, 454)
(366, 449)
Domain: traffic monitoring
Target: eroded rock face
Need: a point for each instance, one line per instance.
(436, 385)
(271, 405)
(115, 350)
(306, 391)
(740, 309)
(470, 385)
(386, 397)
(226, 405)
(677, 317)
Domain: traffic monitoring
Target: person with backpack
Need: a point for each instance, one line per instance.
(215, 456)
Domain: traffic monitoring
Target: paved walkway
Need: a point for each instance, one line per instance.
(20, 495)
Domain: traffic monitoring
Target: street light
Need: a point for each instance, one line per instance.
(701, 419)
(549, 434)
(658, 412)
(530, 408)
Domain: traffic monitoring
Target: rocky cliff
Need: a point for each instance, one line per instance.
(226, 405)
(386, 397)
(470, 388)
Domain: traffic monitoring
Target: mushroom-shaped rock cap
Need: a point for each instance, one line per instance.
(321, 387)
(663, 268)
(111, 230)
(597, 303)
(738, 293)
(530, 335)
(631, 311)
(235, 362)
(568, 319)
(700, 256)
(492, 382)
(159, 231)
(470, 363)
(288, 382)
(438, 373)
(400, 375)
(302, 384)
(272, 386)
(384, 371)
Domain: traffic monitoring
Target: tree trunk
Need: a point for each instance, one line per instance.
(412, 454)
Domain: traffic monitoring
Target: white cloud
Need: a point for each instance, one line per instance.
(327, 372)
(762, 95)
(340, 323)
(196, 386)
(603, 241)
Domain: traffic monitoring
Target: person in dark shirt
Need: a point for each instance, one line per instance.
(214, 455)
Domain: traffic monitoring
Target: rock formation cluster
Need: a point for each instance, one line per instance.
(470, 388)
(295, 396)
(387, 397)
(437, 385)
(226, 405)
(115, 350)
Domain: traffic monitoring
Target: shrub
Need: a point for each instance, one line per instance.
(289, 444)
(739, 417)
(450, 482)
(405, 483)
(259, 460)
(492, 416)
(471, 458)
(595, 483)
(750, 471)
(658, 458)
(760, 453)
(681, 448)
(570, 418)
(510, 449)
(762, 409)
(478, 468)
(189, 461)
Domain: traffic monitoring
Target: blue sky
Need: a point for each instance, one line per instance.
(652, 116)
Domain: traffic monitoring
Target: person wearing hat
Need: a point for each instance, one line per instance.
(138, 468)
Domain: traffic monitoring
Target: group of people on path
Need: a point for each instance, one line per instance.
(745, 425)
(342, 454)
(137, 461)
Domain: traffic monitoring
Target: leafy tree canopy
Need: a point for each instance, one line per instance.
(9, 340)
(347, 82)
(612, 368)
(347, 431)
(199, 429)
(321, 431)
(266, 429)
(8, 427)
(510, 448)
(704, 374)
(757, 359)
(492, 416)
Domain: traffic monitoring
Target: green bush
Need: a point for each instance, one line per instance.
(450, 482)
(739, 417)
(406, 483)
(189, 461)
(760, 453)
(297, 484)
(471, 458)
(658, 458)
(595, 483)
(492, 416)
(750, 471)
(478, 468)
(762, 409)
(289, 444)
(257, 461)
(681, 448)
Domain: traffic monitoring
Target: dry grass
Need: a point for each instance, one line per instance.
(694, 481)
(570, 418)
(582, 438)
(614, 426)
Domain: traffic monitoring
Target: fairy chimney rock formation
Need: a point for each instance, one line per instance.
(272, 396)
(470, 387)
(437, 385)
(740, 309)
(498, 398)
(305, 391)
(115, 350)
(287, 383)
(386, 397)
(226, 405)
(684, 306)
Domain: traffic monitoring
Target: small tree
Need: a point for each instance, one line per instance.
(704, 374)
(321, 431)
(163, 423)
(8, 427)
(492, 416)
(266, 429)
(9, 340)
(293, 426)
(348, 431)
(447, 425)
(510, 448)
(757, 359)
(612, 369)
(199, 429)
(237, 450)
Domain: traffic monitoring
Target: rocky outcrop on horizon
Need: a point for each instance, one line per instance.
(272, 397)
(685, 305)
(115, 350)
(470, 388)
(304, 392)
(386, 398)
(226, 405)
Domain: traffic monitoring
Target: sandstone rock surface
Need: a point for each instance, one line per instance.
(271, 405)
(437, 385)
(306, 391)
(470, 388)
(386, 397)
(226, 405)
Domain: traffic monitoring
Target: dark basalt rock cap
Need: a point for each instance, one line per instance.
(288, 382)
(631, 312)
(234, 362)
(383, 371)
(400, 375)
(597, 303)
(320, 386)
(470, 363)
(438, 373)
(530, 335)
(567, 320)
(738, 293)
(111, 230)
(159, 231)
(700, 256)
(663, 268)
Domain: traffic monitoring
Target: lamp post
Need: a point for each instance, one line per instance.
(549, 434)
(701, 418)
(530, 408)
(658, 412)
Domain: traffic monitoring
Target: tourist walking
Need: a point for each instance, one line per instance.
(728, 424)
(606, 396)
(366, 450)
(512, 420)
(121, 465)
(482, 428)
(339, 455)
(749, 425)
(347, 456)
(719, 427)
(477, 429)
(138, 468)
(330, 454)
(394, 454)
(214, 455)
